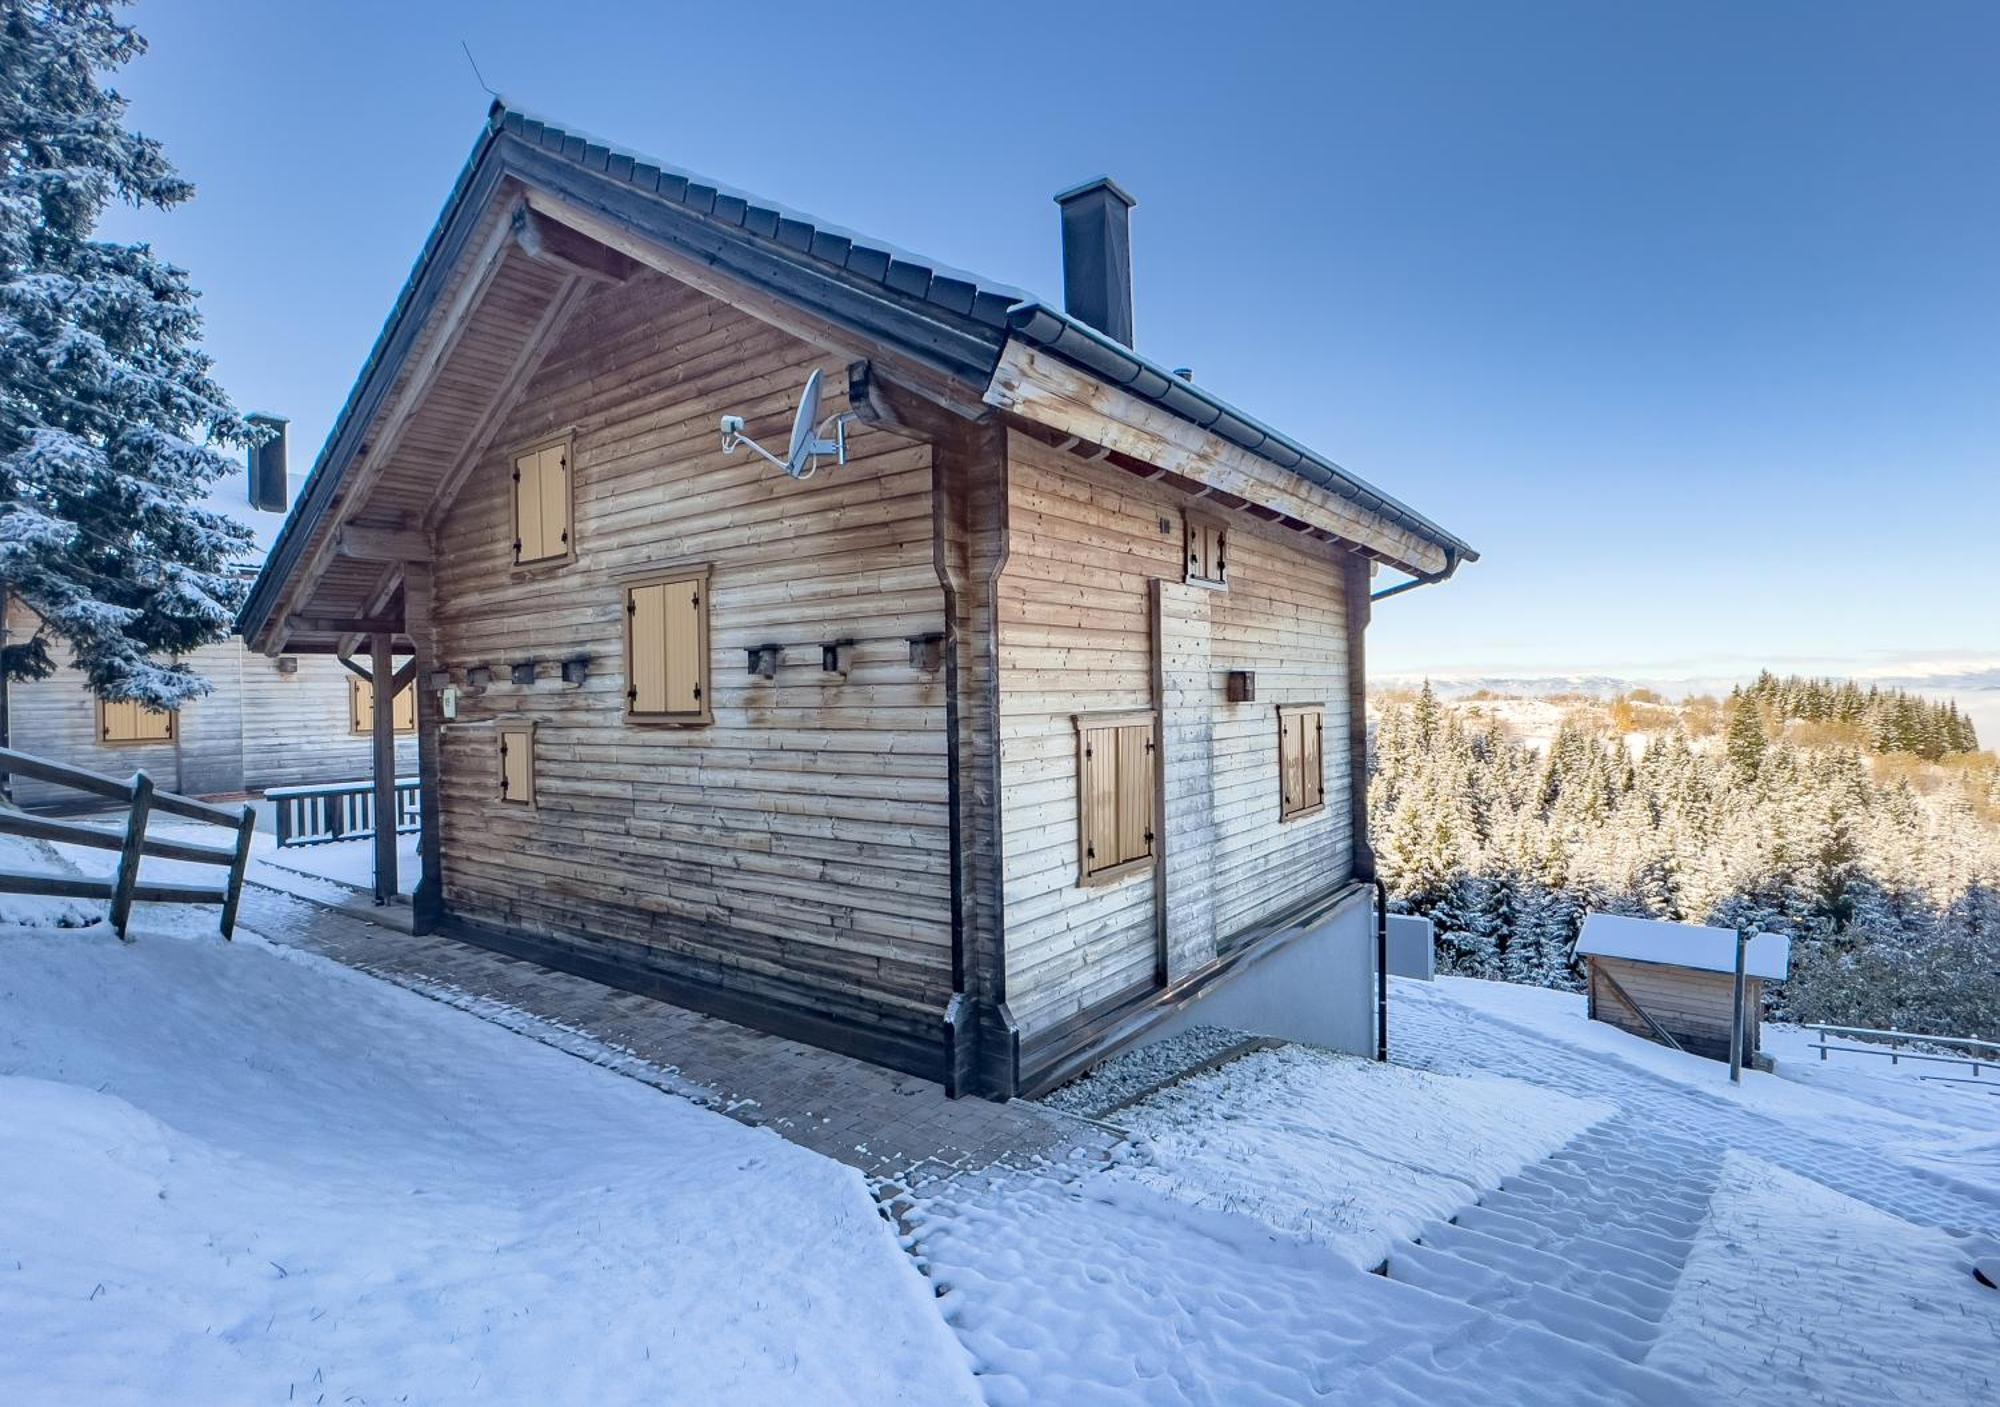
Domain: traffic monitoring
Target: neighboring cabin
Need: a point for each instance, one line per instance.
(1676, 982)
(266, 722)
(1032, 730)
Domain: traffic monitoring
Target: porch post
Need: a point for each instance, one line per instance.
(382, 664)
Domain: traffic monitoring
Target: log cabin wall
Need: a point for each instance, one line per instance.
(795, 850)
(1076, 636)
(297, 729)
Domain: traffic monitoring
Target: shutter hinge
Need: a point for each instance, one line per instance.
(695, 601)
(697, 691)
(632, 693)
(1090, 852)
(1087, 751)
(565, 537)
(517, 476)
(1149, 837)
(631, 606)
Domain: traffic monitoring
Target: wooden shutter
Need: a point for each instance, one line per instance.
(528, 507)
(1115, 790)
(1301, 760)
(646, 688)
(360, 706)
(1311, 738)
(517, 764)
(1135, 792)
(128, 722)
(542, 504)
(682, 607)
(667, 648)
(1099, 781)
(1205, 540)
(404, 710)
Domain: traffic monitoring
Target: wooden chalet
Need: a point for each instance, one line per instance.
(1000, 745)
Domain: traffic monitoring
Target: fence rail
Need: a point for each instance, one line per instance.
(1982, 1053)
(124, 887)
(318, 815)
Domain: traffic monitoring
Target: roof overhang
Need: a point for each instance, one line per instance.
(540, 213)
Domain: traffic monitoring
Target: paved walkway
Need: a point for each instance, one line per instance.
(895, 1128)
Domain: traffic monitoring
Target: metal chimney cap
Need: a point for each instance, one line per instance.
(1101, 182)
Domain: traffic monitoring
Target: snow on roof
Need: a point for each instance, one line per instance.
(1682, 945)
(230, 496)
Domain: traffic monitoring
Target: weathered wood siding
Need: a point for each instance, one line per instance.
(796, 849)
(1077, 635)
(256, 728)
(1692, 1005)
(296, 727)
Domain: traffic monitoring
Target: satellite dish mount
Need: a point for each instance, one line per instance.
(809, 437)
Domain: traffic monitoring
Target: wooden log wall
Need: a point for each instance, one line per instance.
(795, 849)
(1076, 636)
(296, 729)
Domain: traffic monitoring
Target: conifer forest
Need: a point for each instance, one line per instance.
(1863, 822)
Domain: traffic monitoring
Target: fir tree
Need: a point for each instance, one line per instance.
(109, 419)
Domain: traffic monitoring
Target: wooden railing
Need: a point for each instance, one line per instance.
(343, 811)
(124, 887)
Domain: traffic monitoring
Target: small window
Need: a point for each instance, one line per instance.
(1115, 770)
(361, 708)
(517, 763)
(129, 722)
(1301, 769)
(542, 504)
(666, 649)
(1207, 544)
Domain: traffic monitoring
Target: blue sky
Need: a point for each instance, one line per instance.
(1687, 315)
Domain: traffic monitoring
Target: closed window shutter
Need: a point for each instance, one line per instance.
(528, 545)
(1135, 792)
(554, 489)
(129, 722)
(517, 765)
(404, 715)
(682, 605)
(1310, 738)
(360, 706)
(646, 689)
(1100, 799)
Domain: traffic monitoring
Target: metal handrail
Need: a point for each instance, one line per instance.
(1894, 1041)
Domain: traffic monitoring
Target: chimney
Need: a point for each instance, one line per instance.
(269, 487)
(1097, 256)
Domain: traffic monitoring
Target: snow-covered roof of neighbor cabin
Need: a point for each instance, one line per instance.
(1682, 945)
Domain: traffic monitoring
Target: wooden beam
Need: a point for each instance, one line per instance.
(561, 247)
(427, 901)
(340, 625)
(367, 544)
(526, 363)
(383, 754)
(1047, 391)
(380, 446)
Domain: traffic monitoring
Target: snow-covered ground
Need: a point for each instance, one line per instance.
(239, 1173)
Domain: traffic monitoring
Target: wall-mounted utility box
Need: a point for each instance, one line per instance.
(764, 660)
(576, 669)
(1242, 686)
(523, 673)
(927, 653)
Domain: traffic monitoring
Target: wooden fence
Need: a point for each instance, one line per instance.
(344, 811)
(124, 888)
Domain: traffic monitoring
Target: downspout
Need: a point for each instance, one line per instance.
(1364, 853)
(1451, 561)
(1360, 609)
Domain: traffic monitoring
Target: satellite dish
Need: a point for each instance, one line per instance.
(808, 442)
(802, 427)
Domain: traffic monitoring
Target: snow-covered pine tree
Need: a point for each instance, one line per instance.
(109, 418)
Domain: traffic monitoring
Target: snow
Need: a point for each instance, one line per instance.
(1797, 1293)
(348, 862)
(1224, 1259)
(1683, 945)
(237, 1173)
(1341, 1151)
